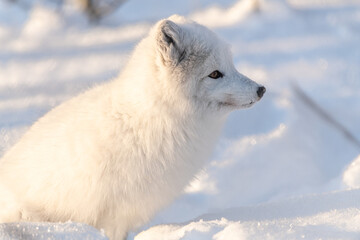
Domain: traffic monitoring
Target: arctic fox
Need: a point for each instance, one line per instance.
(114, 155)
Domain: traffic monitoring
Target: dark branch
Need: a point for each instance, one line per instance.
(325, 116)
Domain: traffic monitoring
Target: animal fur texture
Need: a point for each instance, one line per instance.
(114, 155)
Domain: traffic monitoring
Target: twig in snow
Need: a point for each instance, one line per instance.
(325, 116)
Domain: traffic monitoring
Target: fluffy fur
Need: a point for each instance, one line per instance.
(114, 155)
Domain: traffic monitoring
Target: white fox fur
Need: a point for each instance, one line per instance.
(114, 155)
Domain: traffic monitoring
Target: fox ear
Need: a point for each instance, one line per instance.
(170, 43)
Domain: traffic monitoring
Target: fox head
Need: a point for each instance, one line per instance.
(191, 61)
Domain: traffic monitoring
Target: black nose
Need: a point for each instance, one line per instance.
(260, 92)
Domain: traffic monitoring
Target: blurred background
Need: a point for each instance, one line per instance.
(302, 138)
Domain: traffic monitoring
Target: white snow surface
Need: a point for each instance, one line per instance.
(324, 216)
(49, 231)
(279, 171)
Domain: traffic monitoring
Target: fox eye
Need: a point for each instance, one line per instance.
(216, 74)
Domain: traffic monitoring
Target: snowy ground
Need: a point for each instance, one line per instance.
(279, 171)
(49, 231)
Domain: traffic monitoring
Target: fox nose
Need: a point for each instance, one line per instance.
(260, 92)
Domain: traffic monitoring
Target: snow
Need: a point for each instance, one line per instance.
(333, 215)
(49, 231)
(280, 170)
(215, 17)
(351, 176)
